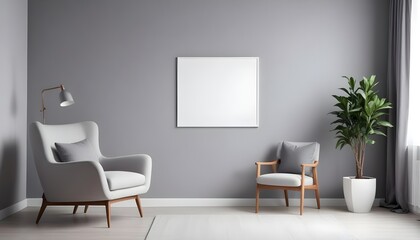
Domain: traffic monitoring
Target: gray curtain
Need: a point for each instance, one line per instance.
(398, 92)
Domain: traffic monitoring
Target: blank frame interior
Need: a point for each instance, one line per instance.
(217, 91)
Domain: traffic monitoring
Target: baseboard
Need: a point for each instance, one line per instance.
(4, 213)
(218, 202)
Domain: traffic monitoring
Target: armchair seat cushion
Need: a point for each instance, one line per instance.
(123, 179)
(283, 179)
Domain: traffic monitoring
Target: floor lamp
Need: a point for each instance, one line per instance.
(66, 99)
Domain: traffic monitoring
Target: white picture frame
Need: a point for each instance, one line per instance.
(217, 92)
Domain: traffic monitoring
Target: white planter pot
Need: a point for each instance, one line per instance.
(359, 193)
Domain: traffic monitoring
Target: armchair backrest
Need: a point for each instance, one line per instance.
(55, 176)
(43, 138)
(299, 144)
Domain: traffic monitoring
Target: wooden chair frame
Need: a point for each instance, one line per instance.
(274, 166)
(106, 203)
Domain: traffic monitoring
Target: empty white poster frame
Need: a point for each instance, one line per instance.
(217, 91)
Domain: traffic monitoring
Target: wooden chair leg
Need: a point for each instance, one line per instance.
(317, 198)
(139, 205)
(257, 200)
(86, 208)
(75, 208)
(286, 197)
(302, 197)
(108, 213)
(42, 209)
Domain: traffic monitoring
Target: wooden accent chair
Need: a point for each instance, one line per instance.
(97, 181)
(295, 180)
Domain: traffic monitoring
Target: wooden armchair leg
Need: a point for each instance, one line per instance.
(139, 206)
(257, 200)
(286, 197)
(317, 198)
(75, 208)
(108, 213)
(302, 197)
(86, 208)
(42, 209)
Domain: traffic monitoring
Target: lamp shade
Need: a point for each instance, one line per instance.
(66, 99)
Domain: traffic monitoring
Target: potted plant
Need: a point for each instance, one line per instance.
(359, 117)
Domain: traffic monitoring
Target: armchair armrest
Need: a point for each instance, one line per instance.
(139, 163)
(74, 181)
(273, 165)
(274, 162)
(314, 165)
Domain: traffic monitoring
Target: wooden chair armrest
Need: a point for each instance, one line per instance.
(274, 162)
(314, 164)
(273, 165)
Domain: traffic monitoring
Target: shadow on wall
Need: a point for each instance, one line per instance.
(9, 174)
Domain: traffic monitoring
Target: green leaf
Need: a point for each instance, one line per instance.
(363, 95)
(345, 90)
(384, 123)
(378, 114)
(379, 133)
(338, 121)
(372, 80)
(355, 109)
(351, 83)
(334, 112)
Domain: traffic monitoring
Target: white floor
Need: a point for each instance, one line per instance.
(60, 223)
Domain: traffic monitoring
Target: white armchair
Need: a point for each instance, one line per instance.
(101, 181)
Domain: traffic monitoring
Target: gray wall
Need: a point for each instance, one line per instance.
(13, 82)
(118, 58)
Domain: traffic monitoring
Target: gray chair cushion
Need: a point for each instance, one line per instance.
(293, 155)
(78, 151)
(122, 179)
(283, 179)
